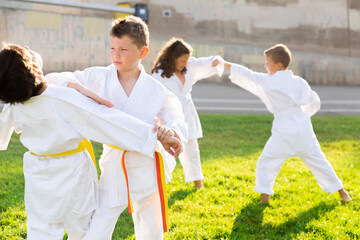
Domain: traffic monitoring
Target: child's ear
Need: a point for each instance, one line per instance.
(279, 66)
(144, 53)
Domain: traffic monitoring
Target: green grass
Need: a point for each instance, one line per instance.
(228, 207)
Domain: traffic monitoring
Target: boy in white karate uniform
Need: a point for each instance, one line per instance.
(178, 71)
(60, 178)
(292, 102)
(126, 84)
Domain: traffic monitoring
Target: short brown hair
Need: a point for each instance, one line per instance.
(279, 54)
(173, 49)
(133, 27)
(18, 80)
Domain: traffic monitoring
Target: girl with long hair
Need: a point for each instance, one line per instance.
(178, 71)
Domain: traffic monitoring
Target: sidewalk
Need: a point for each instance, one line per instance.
(229, 98)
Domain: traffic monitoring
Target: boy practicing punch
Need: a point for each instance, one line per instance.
(292, 102)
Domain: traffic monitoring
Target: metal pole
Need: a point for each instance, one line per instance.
(86, 5)
(348, 25)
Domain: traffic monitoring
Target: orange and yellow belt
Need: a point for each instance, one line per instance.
(84, 144)
(160, 175)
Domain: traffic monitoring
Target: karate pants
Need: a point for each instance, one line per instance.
(302, 144)
(146, 216)
(40, 230)
(190, 160)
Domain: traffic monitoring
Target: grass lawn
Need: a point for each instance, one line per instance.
(228, 207)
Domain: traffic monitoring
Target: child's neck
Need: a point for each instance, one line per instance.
(181, 76)
(45, 85)
(128, 79)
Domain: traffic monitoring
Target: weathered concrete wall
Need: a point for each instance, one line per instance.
(323, 35)
(329, 27)
(318, 69)
(66, 42)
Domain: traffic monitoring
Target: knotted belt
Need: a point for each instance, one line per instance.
(84, 144)
(160, 175)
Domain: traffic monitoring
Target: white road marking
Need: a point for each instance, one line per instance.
(242, 105)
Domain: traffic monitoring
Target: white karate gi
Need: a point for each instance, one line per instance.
(148, 99)
(62, 191)
(292, 102)
(197, 68)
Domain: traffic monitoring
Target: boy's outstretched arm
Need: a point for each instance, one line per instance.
(227, 65)
(82, 89)
(205, 67)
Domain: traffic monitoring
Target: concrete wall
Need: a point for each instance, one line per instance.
(324, 35)
(322, 26)
(66, 42)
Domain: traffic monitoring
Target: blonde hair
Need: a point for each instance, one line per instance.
(279, 53)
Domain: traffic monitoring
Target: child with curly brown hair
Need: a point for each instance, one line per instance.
(178, 71)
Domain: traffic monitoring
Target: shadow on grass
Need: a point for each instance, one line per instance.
(299, 224)
(249, 223)
(180, 195)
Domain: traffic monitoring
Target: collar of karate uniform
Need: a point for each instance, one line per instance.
(284, 72)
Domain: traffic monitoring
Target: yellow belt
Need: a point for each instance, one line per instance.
(160, 175)
(84, 144)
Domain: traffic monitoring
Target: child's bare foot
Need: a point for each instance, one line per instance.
(344, 195)
(265, 198)
(198, 184)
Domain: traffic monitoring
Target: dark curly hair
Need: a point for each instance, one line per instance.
(173, 49)
(18, 80)
(133, 27)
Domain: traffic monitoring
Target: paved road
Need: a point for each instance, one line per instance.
(229, 98)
